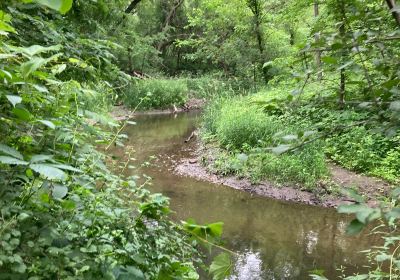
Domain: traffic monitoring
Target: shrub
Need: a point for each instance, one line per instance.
(358, 149)
(156, 93)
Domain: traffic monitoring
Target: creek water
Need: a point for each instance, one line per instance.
(274, 239)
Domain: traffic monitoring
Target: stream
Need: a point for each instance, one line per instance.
(274, 239)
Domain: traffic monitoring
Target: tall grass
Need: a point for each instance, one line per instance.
(156, 93)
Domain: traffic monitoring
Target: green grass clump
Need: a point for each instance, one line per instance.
(240, 123)
(304, 168)
(156, 93)
(207, 87)
(245, 134)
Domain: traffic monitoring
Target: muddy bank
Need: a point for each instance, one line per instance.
(122, 113)
(370, 188)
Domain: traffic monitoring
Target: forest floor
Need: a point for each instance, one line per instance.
(369, 187)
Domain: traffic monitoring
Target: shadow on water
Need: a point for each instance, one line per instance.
(274, 239)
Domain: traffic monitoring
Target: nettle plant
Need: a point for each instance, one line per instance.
(63, 214)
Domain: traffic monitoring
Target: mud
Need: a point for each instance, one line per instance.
(371, 188)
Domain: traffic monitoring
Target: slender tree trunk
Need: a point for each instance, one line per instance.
(255, 7)
(291, 38)
(318, 52)
(132, 6)
(342, 31)
(396, 15)
(168, 21)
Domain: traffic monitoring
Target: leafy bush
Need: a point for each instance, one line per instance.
(156, 93)
(64, 214)
(363, 151)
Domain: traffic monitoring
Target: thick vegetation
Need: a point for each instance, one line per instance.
(293, 86)
(64, 214)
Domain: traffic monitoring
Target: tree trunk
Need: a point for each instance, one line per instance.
(132, 6)
(342, 31)
(254, 5)
(168, 21)
(396, 15)
(318, 52)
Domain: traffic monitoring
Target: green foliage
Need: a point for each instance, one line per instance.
(240, 124)
(382, 260)
(364, 151)
(64, 214)
(210, 88)
(156, 93)
(221, 267)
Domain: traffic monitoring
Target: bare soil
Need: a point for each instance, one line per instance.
(371, 188)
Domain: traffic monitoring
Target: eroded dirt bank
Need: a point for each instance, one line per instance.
(370, 188)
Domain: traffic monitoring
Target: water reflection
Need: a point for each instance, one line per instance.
(248, 266)
(274, 239)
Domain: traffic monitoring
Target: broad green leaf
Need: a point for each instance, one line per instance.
(6, 55)
(14, 99)
(49, 172)
(354, 227)
(36, 49)
(395, 106)
(48, 124)
(281, 149)
(345, 65)
(22, 113)
(5, 27)
(12, 160)
(368, 214)
(354, 195)
(383, 257)
(59, 191)
(66, 167)
(40, 158)
(10, 151)
(329, 60)
(216, 229)
(395, 193)
(35, 63)
(62, 6)
(221, 267)
(6, 74)
(350, 208)
(394, 213)
(289, 137)
(32, 65)
(41, 88)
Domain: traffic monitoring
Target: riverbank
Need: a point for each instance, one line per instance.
(122, 112)
(371, 188)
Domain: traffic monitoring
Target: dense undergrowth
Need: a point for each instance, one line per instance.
(255, 132)
(164, 93)
(64, 214)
